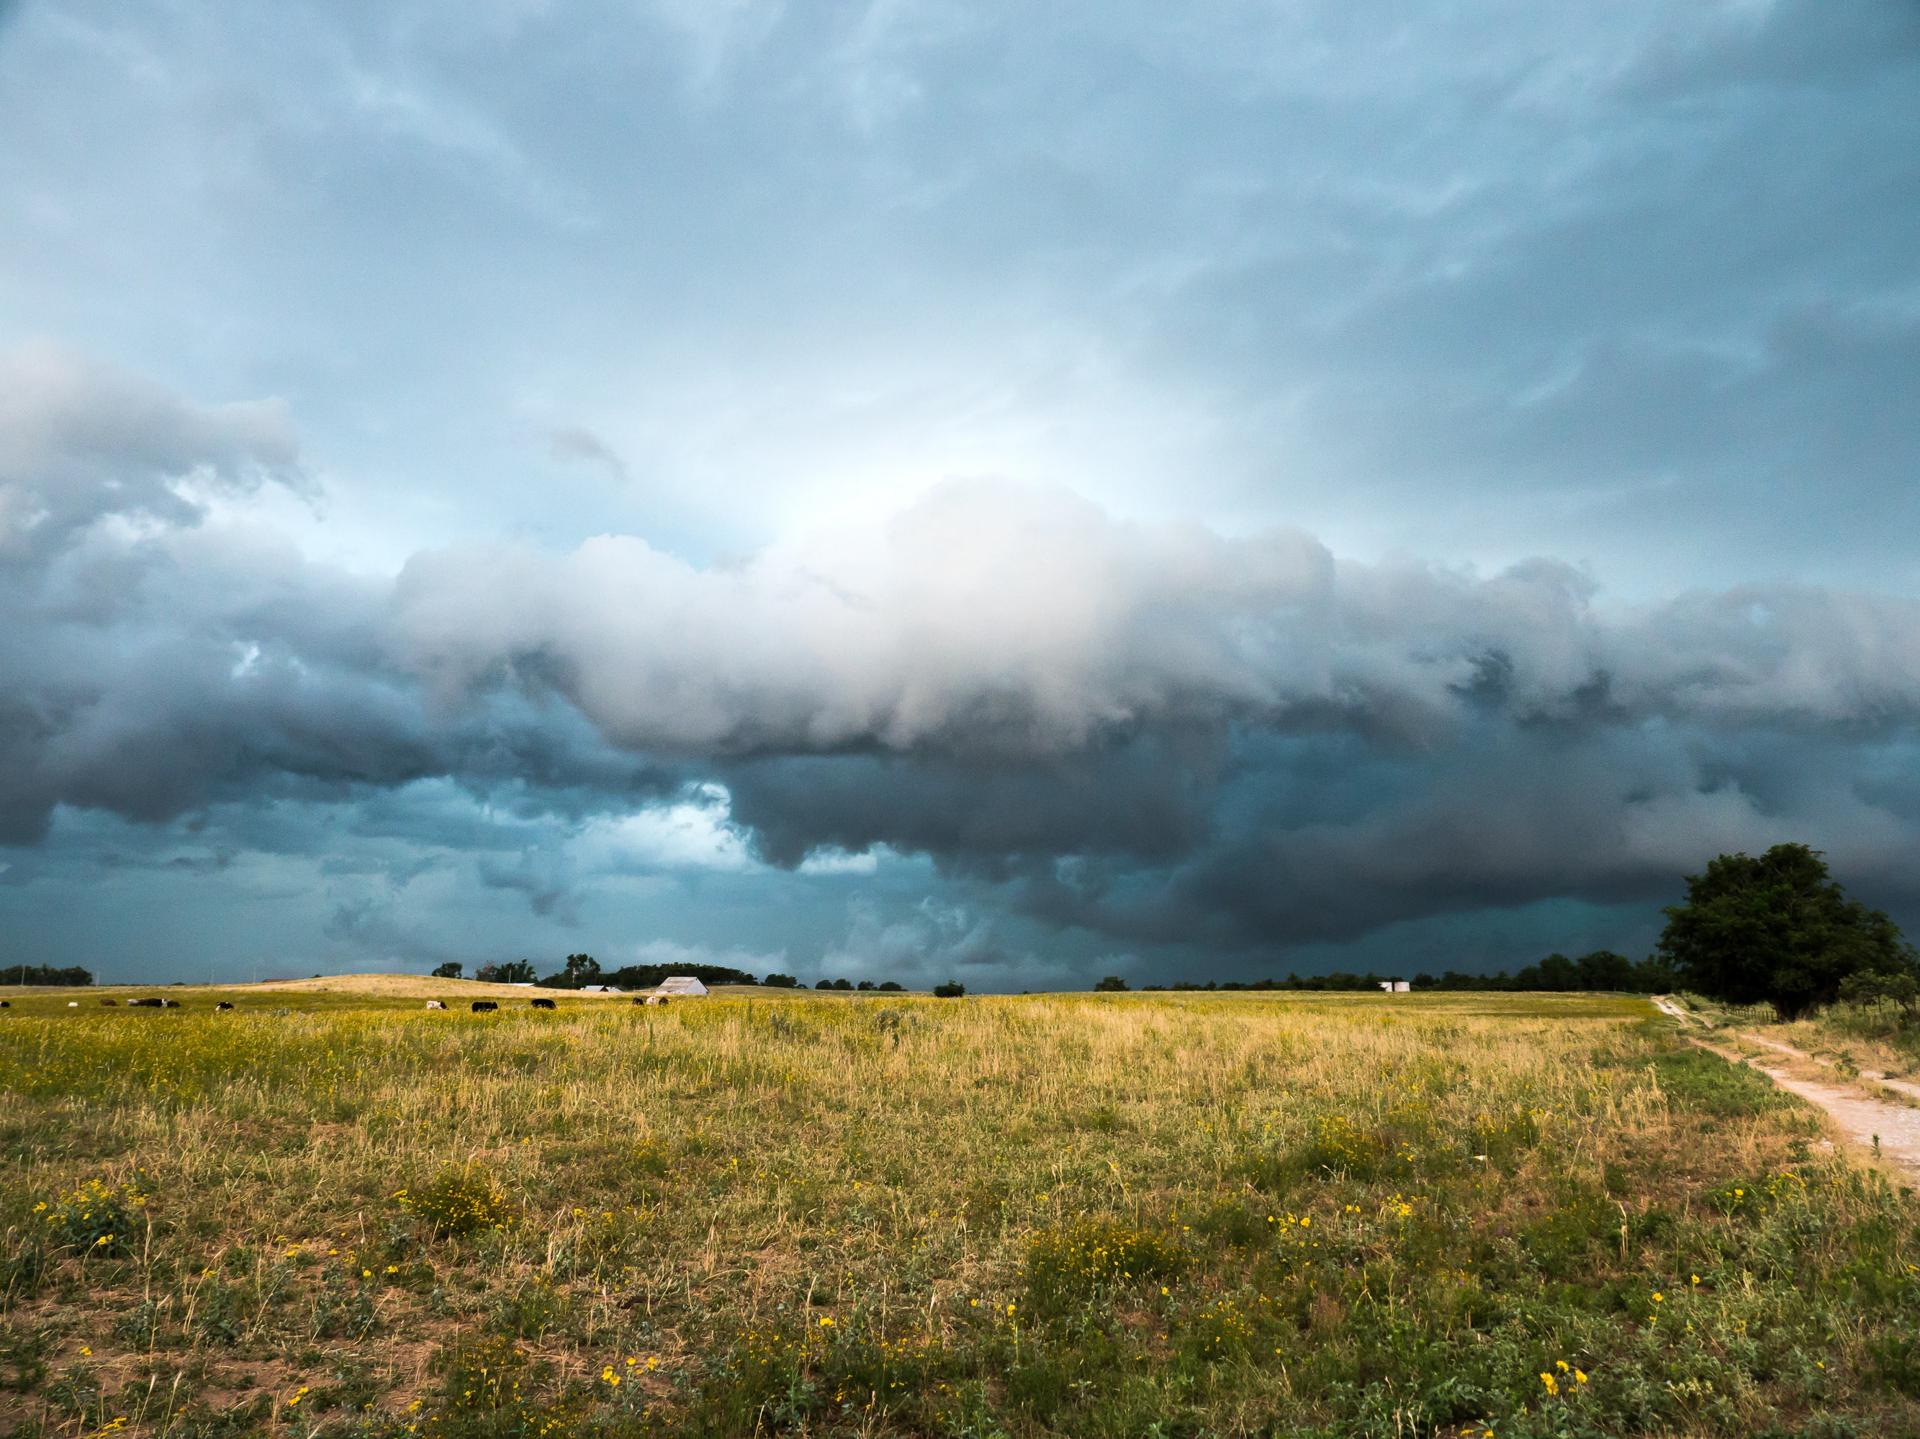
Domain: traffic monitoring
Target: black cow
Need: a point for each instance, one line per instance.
(544, 1004)
(484, 1006)
(169, 1004)
(145, 1003)
(224, 1004)
(109, 1003)
(6, 1004)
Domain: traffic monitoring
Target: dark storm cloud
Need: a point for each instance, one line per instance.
(1148, 730)
(158, 656)
(1505, 818)
(1629, 286)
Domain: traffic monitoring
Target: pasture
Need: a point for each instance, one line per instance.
(329, 1212)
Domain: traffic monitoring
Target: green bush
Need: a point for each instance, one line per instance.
(457, 1202)
(1083, 1260)
(96, 1218)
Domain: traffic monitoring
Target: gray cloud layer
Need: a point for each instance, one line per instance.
(537, 630)
(1149, 730)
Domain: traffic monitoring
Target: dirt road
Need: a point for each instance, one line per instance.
(1881, 1127)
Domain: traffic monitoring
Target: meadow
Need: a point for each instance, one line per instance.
(1126, 1215)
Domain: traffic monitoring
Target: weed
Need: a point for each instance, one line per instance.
(1090, 1257)
(458, 1202)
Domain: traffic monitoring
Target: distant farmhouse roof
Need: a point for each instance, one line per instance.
(680, 984)
(601, 989)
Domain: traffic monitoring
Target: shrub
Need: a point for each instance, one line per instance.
(458, 1201)
(533, 1310)
(490, 1388)
(952, 989)
(96, 1218)
(1091, 1256)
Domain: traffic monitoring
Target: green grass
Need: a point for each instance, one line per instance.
(1071, 1215)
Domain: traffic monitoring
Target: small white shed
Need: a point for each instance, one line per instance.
(601, 989)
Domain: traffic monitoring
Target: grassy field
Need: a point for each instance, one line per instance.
(332, 1213)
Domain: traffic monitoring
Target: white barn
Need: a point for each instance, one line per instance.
(675, 986)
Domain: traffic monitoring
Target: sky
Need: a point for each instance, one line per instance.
(928, 490)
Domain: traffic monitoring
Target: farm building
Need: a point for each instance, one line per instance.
(676, 986)
(601, 989)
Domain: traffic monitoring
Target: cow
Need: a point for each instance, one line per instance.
(6, 1004)
(224, 1004)
(169, 1004)
(144, 1003)
(109, 1003)
(436, 1004)
(73, 1004)
(544, 1004)
(485, 1006)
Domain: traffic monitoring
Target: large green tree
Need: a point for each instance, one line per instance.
(1777, 930)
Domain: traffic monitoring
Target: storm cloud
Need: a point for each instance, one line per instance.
(1148, 730)
(918, 487)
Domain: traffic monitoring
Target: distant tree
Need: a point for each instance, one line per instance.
(1603, 969)
(891, 986)
(1112, 984)
(1902, 989)
(864, 984)
(823, 984)
(781, 981)
(841, 984)
(579, 969)
(1778, 930)
(450, 970)
(512, 971)
(952, 989)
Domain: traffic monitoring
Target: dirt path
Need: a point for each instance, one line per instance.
(1883, 1128)
(1879, 1077)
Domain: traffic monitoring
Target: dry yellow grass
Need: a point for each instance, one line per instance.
(1052, 1215)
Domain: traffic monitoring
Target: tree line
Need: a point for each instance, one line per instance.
(46, 974)
(581, 970)
(1774, 929)
(1601, 969)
